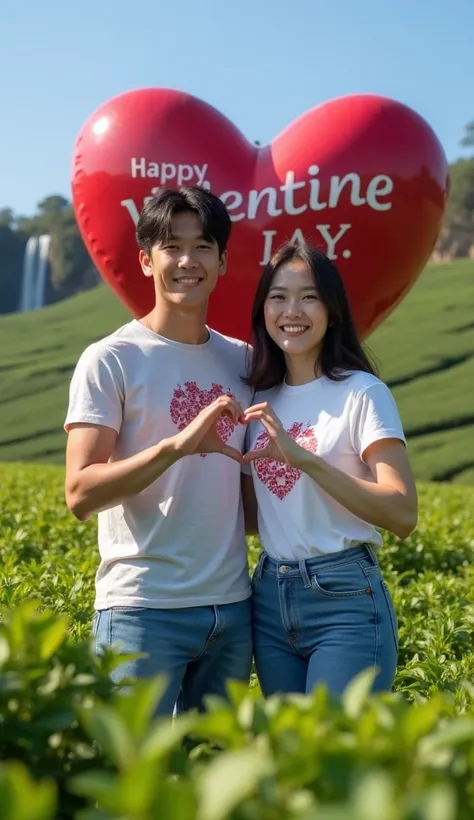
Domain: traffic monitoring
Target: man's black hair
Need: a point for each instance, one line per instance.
(154, 224)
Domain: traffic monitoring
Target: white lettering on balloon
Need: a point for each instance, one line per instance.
(268, 200)
(167, 171)
(298, 236)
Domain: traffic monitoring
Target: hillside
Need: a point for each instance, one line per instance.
(425, 349)
(426, 354)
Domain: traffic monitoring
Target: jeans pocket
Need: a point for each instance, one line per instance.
(391, 611)
(343, 581)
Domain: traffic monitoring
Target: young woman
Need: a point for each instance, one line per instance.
(328, 463)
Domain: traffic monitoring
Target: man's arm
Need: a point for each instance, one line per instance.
(94, 484)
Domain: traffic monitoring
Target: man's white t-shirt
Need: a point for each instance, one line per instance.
(337, 420)
(181, 541)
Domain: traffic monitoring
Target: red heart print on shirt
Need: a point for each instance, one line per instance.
(188, 401)
(278, 477)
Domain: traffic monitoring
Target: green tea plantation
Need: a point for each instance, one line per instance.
(71, 746)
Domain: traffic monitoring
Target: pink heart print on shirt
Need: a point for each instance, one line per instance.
(278, 477)
(188, 402)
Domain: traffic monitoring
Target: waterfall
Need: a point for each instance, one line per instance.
(35, 268)
(28, 273)
(44, 243)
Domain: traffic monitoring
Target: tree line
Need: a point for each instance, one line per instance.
(71, 269)
(457, 235)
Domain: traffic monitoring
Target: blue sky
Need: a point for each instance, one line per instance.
(261, 62)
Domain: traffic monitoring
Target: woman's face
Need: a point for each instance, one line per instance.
(295, 317)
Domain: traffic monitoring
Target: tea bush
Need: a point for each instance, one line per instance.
(73, 746)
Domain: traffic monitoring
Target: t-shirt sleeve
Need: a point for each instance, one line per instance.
(375, 416)
(96, 391)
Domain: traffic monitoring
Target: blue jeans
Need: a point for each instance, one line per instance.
(322, 619)
(198, 648)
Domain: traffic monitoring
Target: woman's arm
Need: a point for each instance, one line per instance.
(390, 501)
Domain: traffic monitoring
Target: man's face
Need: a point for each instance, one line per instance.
(186, 267)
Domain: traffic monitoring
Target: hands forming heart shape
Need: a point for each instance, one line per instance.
(208, 433)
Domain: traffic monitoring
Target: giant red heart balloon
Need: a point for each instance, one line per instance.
(362, 177)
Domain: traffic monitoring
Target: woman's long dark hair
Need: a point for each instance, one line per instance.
(341, 349)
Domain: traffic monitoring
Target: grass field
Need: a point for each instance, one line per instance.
(425, 350)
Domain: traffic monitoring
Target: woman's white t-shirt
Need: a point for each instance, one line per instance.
(338, 420)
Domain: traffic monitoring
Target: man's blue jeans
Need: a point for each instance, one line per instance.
(198, 648)
(322, 619)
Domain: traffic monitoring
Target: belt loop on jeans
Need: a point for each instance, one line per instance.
(372, 554)
(304, 572)
(259, 567)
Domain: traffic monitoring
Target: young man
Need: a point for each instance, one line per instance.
(154, 447)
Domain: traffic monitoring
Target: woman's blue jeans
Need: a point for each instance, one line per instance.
(322, 620)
